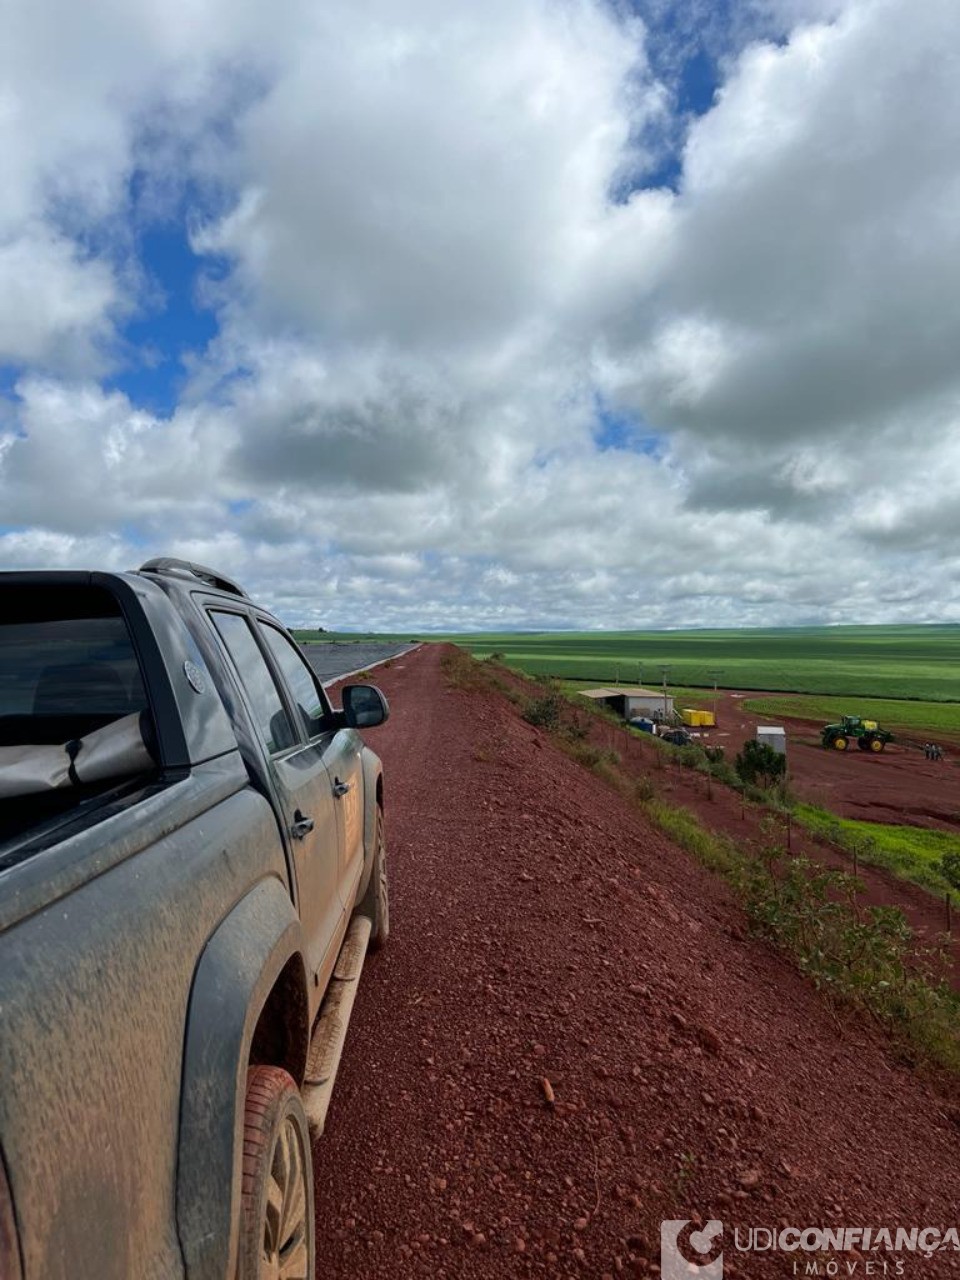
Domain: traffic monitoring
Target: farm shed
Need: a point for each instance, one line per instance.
(630, 700)
(773, 737)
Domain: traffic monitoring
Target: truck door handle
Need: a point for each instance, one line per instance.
(341, 788)
(302, 826)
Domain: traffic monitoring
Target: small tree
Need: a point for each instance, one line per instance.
(759, 765)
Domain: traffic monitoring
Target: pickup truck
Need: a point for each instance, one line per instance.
(192, 869)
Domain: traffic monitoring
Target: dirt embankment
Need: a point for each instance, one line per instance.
(543, 931)
(752, 826)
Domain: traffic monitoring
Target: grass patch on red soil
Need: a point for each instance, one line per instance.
(912, 853)
(863, 957)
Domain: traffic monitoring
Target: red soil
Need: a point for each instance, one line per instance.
(898, 786)
(542, 930)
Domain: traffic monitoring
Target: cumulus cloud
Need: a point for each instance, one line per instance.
(440, 269)
(815, 257)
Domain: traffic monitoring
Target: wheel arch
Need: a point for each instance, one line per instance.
(372, 805)
(251, 962)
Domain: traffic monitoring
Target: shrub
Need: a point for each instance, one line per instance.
(546, 712)
(867, 957)
(759, 765)
(693, 757)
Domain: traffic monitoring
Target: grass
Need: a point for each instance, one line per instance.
(906, 718)
(912, 853)
(917, 662)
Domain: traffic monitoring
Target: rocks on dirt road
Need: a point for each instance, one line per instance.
(570, 1037)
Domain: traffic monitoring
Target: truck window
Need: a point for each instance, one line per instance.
(265, 701)
(67, 665)
(302, 682)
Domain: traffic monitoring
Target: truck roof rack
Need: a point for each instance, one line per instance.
(188, 569)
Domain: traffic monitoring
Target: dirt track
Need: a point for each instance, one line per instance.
(542, 930)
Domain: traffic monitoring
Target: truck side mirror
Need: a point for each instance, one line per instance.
(364, 706)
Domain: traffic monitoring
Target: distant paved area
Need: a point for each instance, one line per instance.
(332, 660)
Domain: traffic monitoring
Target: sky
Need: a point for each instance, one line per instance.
(426, 314)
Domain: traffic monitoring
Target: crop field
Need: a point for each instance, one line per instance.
(909, 719)
(917, 662)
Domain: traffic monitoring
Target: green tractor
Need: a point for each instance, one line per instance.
(867, 734)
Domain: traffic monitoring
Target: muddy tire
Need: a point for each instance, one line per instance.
(277, 1238)
(877, 744)
(839, 743)
(376, 901)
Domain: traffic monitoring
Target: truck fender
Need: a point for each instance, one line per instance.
(236, 972)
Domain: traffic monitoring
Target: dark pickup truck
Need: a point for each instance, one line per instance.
(192, 868)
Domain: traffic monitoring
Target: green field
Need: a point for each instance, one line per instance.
(912, 853)
(908, 719)
(919, 662)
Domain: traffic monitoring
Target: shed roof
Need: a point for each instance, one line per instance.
(623, 690)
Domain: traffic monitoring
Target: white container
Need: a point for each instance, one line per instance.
(773, 737)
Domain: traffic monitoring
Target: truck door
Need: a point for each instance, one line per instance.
(341, 753)
(304, 791)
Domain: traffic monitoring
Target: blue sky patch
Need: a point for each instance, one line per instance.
(173, 324)
(617, 430)
(685, 51)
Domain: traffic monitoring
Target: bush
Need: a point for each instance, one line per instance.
(546, 712)
(758, 765)
(693, 757)
(867, 957)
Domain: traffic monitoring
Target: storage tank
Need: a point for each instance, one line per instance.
(643, 723)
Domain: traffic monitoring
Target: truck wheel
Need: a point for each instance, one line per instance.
(840, 744)
(376, 901)
(276, 1220)
(876, 744)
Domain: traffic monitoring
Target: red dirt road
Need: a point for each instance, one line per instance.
(542, 930)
